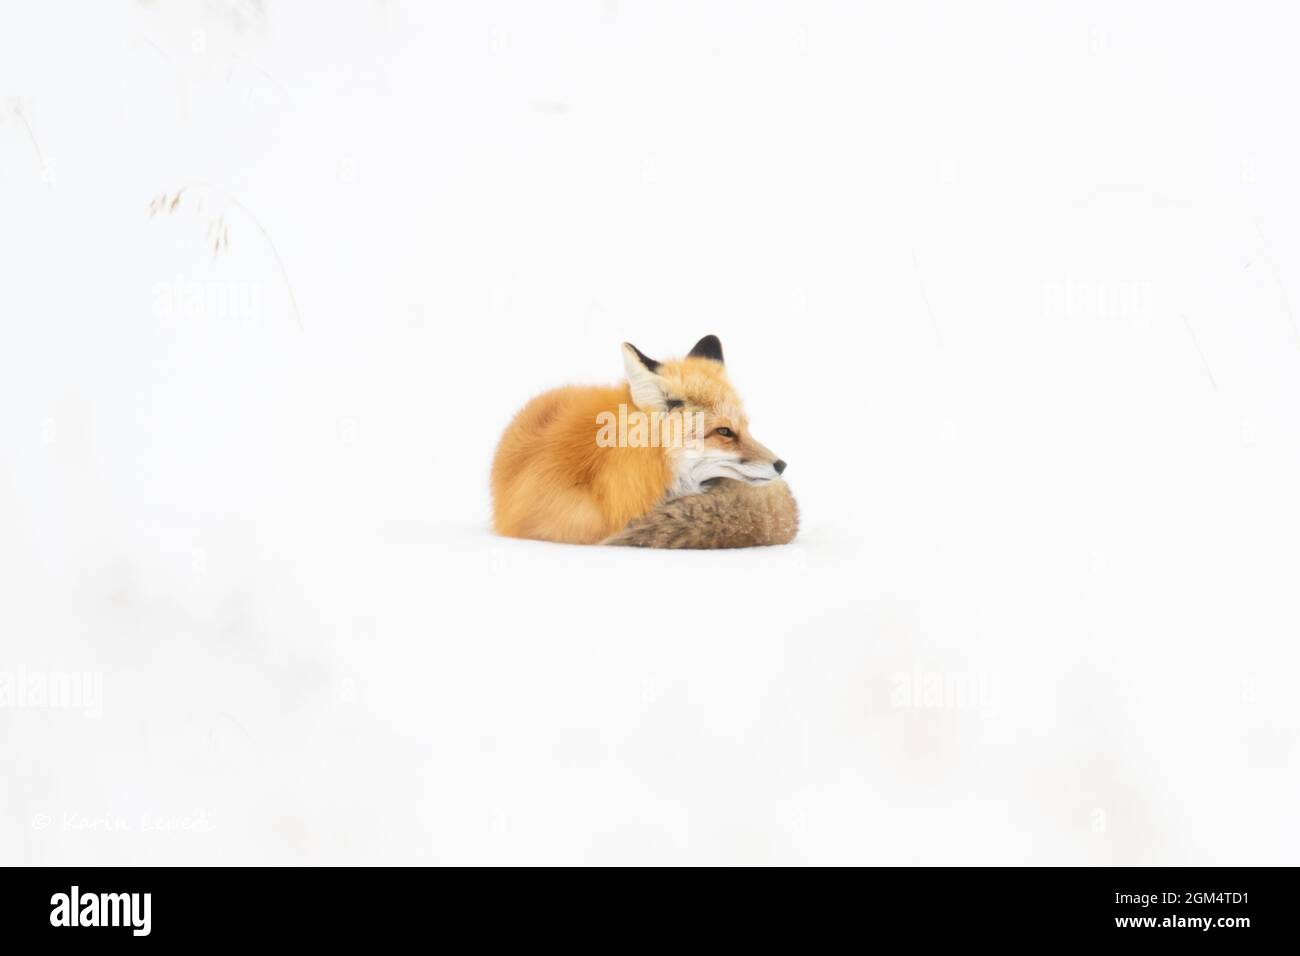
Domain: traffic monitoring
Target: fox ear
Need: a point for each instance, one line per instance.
(647, 386)
(708, 347)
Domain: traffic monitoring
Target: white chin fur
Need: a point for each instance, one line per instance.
(694, 469)
(756, 473)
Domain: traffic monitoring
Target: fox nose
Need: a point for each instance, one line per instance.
(779, 465)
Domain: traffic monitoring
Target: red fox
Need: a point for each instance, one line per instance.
(686, 474)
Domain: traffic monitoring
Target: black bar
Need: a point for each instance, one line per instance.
(334, 906)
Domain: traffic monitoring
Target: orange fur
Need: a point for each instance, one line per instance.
(550, 479)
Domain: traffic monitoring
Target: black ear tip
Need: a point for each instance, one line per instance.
(709, 347)
(645, 360)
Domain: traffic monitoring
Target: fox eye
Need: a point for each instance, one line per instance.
(724, 432)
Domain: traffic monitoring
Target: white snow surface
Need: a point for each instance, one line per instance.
(1010, 287)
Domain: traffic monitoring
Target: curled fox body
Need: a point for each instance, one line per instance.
(560, 474)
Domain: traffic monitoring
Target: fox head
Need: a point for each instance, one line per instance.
(716, 440)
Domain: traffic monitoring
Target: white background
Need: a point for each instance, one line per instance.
(1011, 288)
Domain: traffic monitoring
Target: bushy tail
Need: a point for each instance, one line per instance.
(729, 514)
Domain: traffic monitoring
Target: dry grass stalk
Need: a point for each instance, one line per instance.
(218, 228)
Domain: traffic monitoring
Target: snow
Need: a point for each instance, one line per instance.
(1011, 290)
